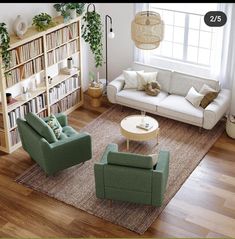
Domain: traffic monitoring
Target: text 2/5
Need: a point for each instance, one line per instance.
(215, 18)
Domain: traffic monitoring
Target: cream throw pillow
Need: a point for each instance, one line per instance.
(144, 78)
(206, 89)
(194, 97)
(130, 78)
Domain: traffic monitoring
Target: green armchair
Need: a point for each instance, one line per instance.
(53, 154)
(131, 177)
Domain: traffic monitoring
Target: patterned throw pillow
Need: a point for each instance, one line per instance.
(55, 125)
(144, 78)
(152, 88)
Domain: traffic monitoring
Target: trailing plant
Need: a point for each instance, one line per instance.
(42, 21)
(92, 34)
(5, 45)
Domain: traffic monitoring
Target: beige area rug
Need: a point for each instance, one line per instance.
(76, 186)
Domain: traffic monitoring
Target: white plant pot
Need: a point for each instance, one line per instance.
(72, 13)
(230, 128)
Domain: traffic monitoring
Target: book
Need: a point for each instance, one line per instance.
(145, 126)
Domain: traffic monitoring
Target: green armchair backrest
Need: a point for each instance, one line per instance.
(52, 157)
(131, 177)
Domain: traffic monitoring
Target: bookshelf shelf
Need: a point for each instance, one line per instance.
(60, 78)
(24, 62)
(30, 62)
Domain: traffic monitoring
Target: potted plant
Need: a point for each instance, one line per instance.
(42, 21)
(75, 9)
(5, 45)
(61, 7)
(70, 10)
(92, 34)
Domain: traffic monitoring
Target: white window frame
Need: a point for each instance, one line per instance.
(183, 64)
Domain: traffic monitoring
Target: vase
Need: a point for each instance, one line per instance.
(20, 26)
(72, 13)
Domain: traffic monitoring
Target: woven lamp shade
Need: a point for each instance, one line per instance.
(147, 30)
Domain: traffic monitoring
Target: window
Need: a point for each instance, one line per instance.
(187, 39)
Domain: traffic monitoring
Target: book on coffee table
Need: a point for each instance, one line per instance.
(145, 126)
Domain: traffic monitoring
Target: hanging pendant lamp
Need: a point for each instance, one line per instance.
(147, 30)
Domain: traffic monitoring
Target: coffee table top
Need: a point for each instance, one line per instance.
(129, 129)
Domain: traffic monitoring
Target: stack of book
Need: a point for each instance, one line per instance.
(145, 126)
(14, 136)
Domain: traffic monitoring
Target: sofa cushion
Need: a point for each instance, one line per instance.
(67, 132)
(181, 83)
(130, 160)
(163, 77)
(139, 99)
(41, 127)
(177, 107)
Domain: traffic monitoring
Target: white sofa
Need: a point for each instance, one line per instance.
(171, 102)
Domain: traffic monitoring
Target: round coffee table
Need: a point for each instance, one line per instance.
(131, 132)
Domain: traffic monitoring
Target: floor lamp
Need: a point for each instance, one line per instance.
(110, 35)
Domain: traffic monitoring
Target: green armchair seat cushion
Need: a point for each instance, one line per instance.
(41, 127)
(131, 177)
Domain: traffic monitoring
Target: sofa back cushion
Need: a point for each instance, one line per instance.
(130, 160)
(41, 127)
(181, 83)
(163, 77)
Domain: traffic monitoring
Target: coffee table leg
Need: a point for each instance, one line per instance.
(127, 144)
(157, 139)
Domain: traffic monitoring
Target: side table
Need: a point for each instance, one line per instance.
(96, 95)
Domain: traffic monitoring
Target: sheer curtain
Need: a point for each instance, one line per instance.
(141, 56)
(223, 66)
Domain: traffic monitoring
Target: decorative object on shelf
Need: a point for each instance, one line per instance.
(5, 44)
(147, 30)
(9, 98)
(230, 126)
(26, 95)
(49, 79)
(110, 35)
(92, 34)
(75, 9)
(70, 63)
(42, 21)
(61, 7)
(67, 71)
(20, 26)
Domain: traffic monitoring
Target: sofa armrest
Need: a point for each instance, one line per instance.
(62, 118)
(114, 87)
(216, 109)
(99, 170)
(109, 148)
(160, 178)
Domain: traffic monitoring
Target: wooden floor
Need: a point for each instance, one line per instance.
(203, 207)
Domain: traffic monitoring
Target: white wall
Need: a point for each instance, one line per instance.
(9, 12)
(120, 49)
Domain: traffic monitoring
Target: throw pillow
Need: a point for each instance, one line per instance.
(130, 78)
(209, 95)
(152, 88)
(144, 78)
(55, 125)
(206, 89)
(194, 97)
(208, 98)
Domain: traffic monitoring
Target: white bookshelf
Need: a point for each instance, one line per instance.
(35, 57)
